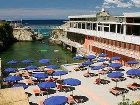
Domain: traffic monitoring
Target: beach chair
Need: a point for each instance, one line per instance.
(77, 69)
(115, 92)
(133, 86)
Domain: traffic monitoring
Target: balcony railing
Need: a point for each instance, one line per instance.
(119, 50)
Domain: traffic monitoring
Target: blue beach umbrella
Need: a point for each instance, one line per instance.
(21, 85)
(32, 67)
(97, 67)
(115, 58)
(26, 61)
(60, 73)
(12, 62)
(115, 75)
(10, 70)
(134, 72)
(53, 66)
(102, 55)
(77, 57)
(40, 75)
(115, 65)
(56, 100)
(13, 78)
(90, 57)
(132, 62)
(87, 63)
(72, 82)
(46, 85)
(102, 60)
(44, 61)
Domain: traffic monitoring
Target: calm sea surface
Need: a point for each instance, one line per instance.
(36, 50)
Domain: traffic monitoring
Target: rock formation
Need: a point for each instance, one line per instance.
(26, 34)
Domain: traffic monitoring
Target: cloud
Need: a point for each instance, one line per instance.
(136, 3)
(118, 3)
(40, 13)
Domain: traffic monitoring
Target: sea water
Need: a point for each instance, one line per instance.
(38, 49)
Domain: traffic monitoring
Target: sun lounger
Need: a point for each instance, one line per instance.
(77, 69)
(133, 86)
(117, 91)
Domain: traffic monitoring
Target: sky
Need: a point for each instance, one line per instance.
(61, 9)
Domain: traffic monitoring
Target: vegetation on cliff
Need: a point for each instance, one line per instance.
(6, 35)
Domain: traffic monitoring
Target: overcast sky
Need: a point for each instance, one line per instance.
(60, 9)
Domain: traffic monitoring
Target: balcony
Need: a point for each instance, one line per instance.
(108, 35)
(126, 52)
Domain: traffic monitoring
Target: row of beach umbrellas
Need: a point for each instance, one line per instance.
(92, 56)
(26, 61)
(31, 67)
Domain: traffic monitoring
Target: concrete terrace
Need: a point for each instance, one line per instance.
(97, 94)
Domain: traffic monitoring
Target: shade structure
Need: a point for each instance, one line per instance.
(132, 62)
(103, 55)
(26, 61)
(78, 57)
(56, 100)
(60, 72)
(102, 60)
(115, 65)
(13, 78)
(53, 66)
(115, 58)
(21, 85)
(32, 67)
(134, 72)
(44, 61)
(90, 57)
(87, 63)
(72, 82)
(12, 62)
(40, 75)
(10, 70)
(97, 67)
(115, 75)
(46, 85)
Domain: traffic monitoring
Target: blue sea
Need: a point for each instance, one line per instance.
(42, 26)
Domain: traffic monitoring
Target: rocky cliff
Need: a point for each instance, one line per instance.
(6, 35)
(26, 34)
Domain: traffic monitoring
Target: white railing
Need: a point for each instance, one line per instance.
(108, 35)
(71, 43)
(126, 52)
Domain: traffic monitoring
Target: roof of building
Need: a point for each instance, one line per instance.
(134, 14)
(13, 96)
(83, 16)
